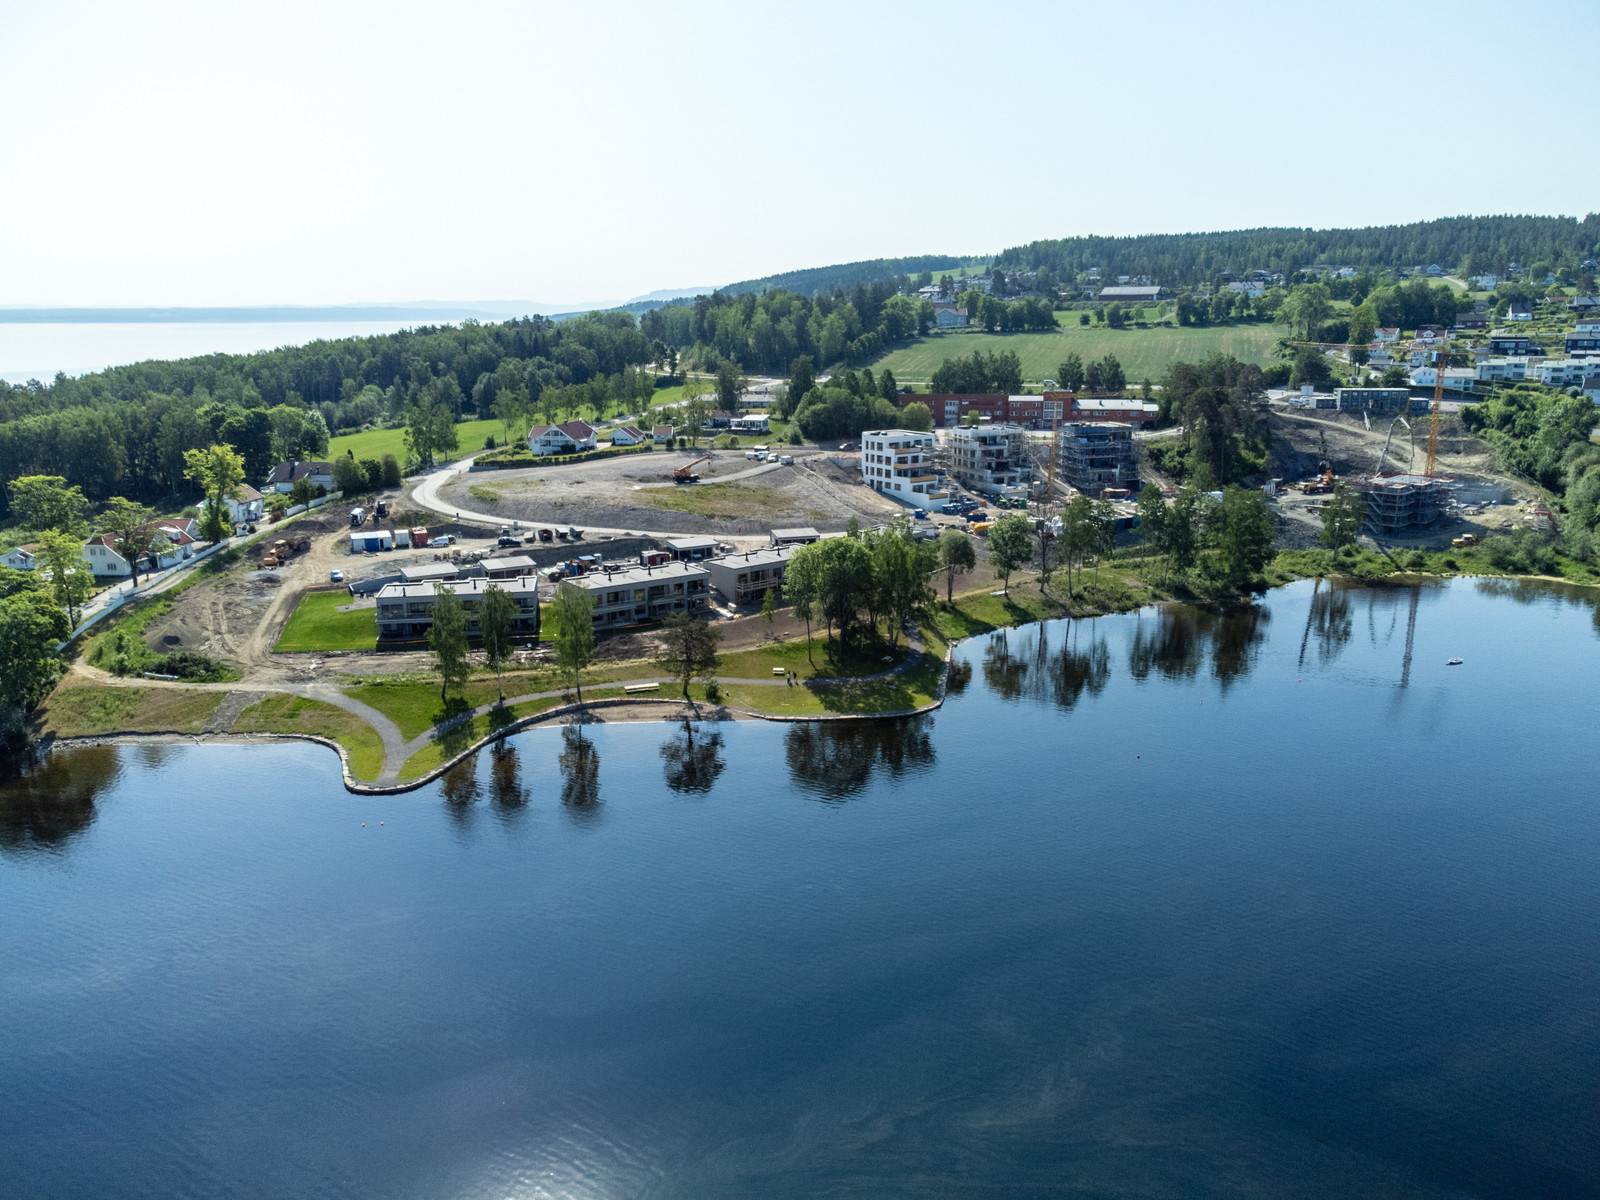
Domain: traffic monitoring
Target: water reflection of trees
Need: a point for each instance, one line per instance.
(1329, 622)
(506, 792)
(48, 799)
(580, 774)
(1532, 591)
(1027, 666)
(835, 760)
(460, 787)
(692, 763)
(1180, 639)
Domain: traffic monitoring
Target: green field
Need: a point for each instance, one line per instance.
(375, 443)
(1144, 353)
(317, 624)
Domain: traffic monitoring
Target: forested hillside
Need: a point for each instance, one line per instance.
(814, 281)
(124, 431)
(766, 333)
(1465, 244)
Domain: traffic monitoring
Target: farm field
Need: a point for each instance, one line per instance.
(1144, 353)
(375, 443)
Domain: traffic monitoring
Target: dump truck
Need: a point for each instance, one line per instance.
(1465, 540)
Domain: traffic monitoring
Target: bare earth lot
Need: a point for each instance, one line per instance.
(635, 493)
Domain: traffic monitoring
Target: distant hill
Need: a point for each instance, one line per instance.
(1471, 244)
(846, 275)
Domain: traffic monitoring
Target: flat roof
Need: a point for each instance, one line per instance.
(464, 587)
(753, 558)
(512, 562)
(419, 572)
(797, 531)
(691, 543)
(598, 580)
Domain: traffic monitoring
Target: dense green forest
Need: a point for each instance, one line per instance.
(766, 333)
(815, 281)
(125, 431)
(1465, 244)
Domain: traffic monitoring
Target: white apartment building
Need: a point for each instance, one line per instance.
(989, 458)
(639, 594)
(405, 610)
(899, 463)
(1565, 372)
(1503, 370)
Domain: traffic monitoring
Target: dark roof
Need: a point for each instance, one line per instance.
(288, 472)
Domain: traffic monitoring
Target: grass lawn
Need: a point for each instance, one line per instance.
(317, 624)
(90, 710)
(758, 663)
(375, 443)
(454, 741)
(1144, 353)
(911, 689)
(282, 713)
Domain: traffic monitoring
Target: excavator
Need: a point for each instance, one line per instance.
(685, 473)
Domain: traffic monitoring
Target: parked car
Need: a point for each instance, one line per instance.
(336, 576)
(507, 540)
(442, 540)
(786, 460)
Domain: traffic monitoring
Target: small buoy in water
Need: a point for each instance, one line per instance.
(363, 824)
(1454, 662)
(380, 822)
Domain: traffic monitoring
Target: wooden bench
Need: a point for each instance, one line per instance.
(634, 688)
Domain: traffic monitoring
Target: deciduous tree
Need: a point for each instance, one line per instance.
(447, 638)
(129, 525)
(688, 648)
(1010, 546)
(571, 618)
(496, 613)
(219, 471)
(956, 557)
(46, 502)
(1342, 517)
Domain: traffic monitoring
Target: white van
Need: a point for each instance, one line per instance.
(786, 460)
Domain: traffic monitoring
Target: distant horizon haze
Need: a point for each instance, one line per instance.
(185, 154)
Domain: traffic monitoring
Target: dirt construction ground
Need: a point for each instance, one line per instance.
(734, 496)
(1491, 502)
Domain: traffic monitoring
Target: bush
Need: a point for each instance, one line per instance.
(488, 442)
(1521, 553)
(186, 664)
(1417, 560)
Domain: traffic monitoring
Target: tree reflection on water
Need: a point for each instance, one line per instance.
(506, 792)
(48, 799)
(834, 760)
(692, 764)
(460, 787)
(1183, 638)
(1024, 665)
(580, 775)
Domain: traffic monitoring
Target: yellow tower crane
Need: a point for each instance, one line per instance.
(1438, 407)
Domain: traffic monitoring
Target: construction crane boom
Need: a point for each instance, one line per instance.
(1438, 407)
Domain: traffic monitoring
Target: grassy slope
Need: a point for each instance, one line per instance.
(453, 742)
(282, 713)
(1144, 353)
(375, 443)
(78, 709)
(318, 625)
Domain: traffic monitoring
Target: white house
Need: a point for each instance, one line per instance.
(661, 435)
(1564, 372)
(1460, 379)
(627, 435)
(22, 558)
(1386, 334)
(899, 463)
(246, 506)
(1591, 388)
(286, 474)
(949, 316)
(104, 560)
(572, 438)
(1520, 310)
(1502, 370)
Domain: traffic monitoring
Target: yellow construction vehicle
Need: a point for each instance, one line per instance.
(685, 473)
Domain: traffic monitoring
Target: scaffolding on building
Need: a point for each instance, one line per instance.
(1098, 455)
(1397, 502)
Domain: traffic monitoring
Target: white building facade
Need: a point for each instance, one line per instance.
(899, 463)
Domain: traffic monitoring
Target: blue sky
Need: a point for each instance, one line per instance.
(178, 153)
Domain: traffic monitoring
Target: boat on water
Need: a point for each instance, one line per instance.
(1454, 662)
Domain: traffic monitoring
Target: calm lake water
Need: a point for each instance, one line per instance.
(38, 350)
(1159, 905)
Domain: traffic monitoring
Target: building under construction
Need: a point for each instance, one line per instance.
(1098, 455)
(1396, 502)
